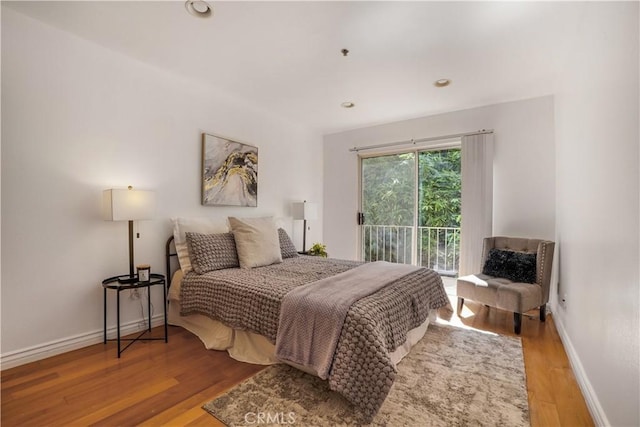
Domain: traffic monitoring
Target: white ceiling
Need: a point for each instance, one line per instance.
(284, 57)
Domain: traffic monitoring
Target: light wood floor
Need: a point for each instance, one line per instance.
(166, 384)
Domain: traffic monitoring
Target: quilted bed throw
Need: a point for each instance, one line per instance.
(312, 315)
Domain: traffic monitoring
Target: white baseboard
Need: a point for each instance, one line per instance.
(590, 397)
(42, 351)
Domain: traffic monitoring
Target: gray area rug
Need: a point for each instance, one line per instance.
(453, 376)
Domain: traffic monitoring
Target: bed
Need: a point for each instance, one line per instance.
(239, 310)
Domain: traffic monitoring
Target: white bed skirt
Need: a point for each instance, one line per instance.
(247, 346)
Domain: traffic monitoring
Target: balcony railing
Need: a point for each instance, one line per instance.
(438, 248)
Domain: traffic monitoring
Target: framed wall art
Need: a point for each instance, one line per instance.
(229, 172)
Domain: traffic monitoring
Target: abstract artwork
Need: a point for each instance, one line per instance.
(229, 172)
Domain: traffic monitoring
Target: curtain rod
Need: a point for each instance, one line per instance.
(417, 141)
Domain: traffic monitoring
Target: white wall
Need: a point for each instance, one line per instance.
(524, 168)
(78, 119)
(597, 193)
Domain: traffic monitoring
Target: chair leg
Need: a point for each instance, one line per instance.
(517, 322)
(543, 312)
(460, 304)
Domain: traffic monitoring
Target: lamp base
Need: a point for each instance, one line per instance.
(127, 280)
(304, 236)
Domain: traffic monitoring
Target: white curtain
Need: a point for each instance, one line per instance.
(477, 200)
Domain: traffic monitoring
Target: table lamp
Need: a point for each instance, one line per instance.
(304, 211)
(128, 205)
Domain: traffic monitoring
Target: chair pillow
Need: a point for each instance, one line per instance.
(287, 248)
(209, 252)
(257, 241)
(515, 266)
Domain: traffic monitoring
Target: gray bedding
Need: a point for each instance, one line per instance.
(312, 315)
(375, 325)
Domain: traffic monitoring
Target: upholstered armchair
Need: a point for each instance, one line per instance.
(516, 276)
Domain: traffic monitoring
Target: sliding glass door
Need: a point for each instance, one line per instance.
(410, 208)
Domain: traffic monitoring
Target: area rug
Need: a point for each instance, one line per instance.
(453, 376)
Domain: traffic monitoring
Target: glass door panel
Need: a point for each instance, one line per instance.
(439, 195)
(389, 207)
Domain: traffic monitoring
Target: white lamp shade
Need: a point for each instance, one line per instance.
(304, 210)
(128, 205)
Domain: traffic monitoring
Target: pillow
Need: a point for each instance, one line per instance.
(287, 248)
(257, 241)
(515, 266)
(209, 252)
(196, 225)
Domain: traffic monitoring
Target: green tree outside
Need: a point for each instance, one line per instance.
(440, 194)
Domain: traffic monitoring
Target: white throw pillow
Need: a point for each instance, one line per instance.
(257, 241)
(194, 225)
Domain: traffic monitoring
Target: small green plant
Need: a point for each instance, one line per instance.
(318, 249)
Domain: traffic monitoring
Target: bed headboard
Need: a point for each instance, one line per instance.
(170, 252)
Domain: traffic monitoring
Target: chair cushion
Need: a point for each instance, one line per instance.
(499, 292)
(519, 297)
(515, 266)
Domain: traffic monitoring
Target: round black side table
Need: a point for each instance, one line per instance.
(124, 282)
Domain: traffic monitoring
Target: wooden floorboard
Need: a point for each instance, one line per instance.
(154, 383)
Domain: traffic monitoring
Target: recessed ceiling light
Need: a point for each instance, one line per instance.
(198, 8)
(442, 83)
(347, 105)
